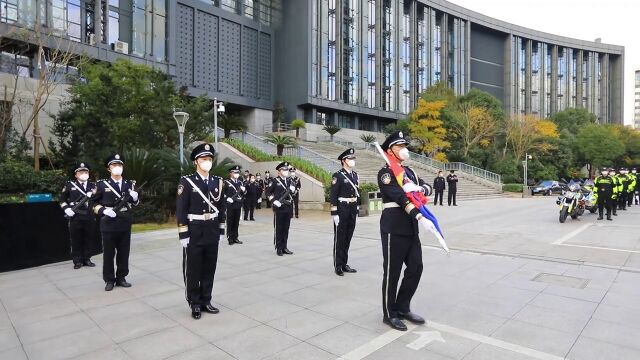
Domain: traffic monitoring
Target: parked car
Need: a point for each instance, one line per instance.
(548, 187)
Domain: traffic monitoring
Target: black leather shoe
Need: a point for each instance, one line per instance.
(252, 219)
(600, 218)
(414, 318)
(279, 252)
(348, 269)
(609, 218)
(395, 323)
(236, 241)
(109, 286)
(211, 309)
(296, 216)
(89, 263)
(77, 266)
(123, 283)
(287, 251)
(196, 312)
(339, 271)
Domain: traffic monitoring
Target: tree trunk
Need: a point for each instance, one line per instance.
(227, 133)
(279, 149)
(297, 133)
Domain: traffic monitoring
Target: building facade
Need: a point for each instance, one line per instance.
(358, 64)
(636, 101)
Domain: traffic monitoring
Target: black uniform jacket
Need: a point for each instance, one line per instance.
(70, 196)
(189, 201)
(341, 187)
(104, 198)
(276, 191)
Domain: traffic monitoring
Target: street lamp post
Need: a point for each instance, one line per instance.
(527, 157)
(218, 106)
(181, 118)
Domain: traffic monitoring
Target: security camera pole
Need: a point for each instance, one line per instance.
(217, 107)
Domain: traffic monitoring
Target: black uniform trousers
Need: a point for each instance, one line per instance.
(199, 260)
(630, 196)
(605, 201)
(295, 197)
(115, 244)
(622, 200)
(233, 222)
(396, 251)
(248, 206)
(342, 234)
(81, 231)
(281, 223)
(439, 195)
(451, 195)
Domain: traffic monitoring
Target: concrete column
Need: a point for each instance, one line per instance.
(554, 79)
(616, 97)
(413, 43)
(379, 53)
(579, 70)
(97, 13)
(398, 10)
(444, 48)
(508, 81)
(528, 75)
(356, 122)
(604, 91)
(467, 55)
(339, 50)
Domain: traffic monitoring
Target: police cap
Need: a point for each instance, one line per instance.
(201, 150)
(396, 138)
(347, 154)
(114, 159)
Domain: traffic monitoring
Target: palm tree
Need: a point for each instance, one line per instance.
(280, 141)
(368, 138)
(332, 130)
(228, 123)
(298, 124)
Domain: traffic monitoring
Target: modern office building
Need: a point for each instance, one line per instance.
(636, 102)
(359, 64)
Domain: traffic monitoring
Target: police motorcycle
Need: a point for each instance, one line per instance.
(590, 196)
(571, 203)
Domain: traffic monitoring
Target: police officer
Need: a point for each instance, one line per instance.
(633, 182)
(260, 184)
(617, 188)
(438, 187)
(251, 198)
(75, 204)
(452, 183)
(605, 188)
(200, 211)
(268, 181)
(345, 198)
(623, 188)
(634, 172)
(298, 184)
(281, 193)
(112, 202)
(234, 193)
(399, 232)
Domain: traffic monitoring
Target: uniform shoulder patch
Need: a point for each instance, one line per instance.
(386, 178)
(180, 189)
(334, 180)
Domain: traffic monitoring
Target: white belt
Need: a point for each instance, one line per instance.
(348, 200)
(121, 210)
(389, 205)
(202, 216)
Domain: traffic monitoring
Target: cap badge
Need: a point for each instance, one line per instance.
(81, 164)
(206, 147)
(400, 134)
(117, 157)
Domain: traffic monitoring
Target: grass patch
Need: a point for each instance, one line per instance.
(138, 228)
(515, 188)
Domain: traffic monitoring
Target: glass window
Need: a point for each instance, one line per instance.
(371, 56)
(159, 38)
(160, 7)
(562, 79)
(114, 27)
(139, 32)
(229, 5)
(9, 11)
(265, 12)
(350, 73)
(405, 58)
(422, 51)
(436, 21)
(389, 56)
(248, 8)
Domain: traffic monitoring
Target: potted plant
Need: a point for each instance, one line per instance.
(298, 124)
(332, 130)
(280, 141)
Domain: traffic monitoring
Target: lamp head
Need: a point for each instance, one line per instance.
(181, 118)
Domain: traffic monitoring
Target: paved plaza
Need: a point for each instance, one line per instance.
(518, 285)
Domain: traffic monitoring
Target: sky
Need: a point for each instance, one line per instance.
(614, 21)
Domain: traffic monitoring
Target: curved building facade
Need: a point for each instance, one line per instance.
(362, 64)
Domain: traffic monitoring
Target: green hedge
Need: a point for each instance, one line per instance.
(18, 179)
(517, 188)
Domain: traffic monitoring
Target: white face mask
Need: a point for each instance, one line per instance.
(235, 176)
(83, 177)
(403, 154)
(116, 170)
(206, 165)
(293, 173)
(351, 163)
(604, 173)
(285, 173)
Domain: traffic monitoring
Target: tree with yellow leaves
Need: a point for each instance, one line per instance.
(528, 133)
(473, 125)
(427, 127)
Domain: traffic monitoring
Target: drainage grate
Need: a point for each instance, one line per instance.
(562, 280)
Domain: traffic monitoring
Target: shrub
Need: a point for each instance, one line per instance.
(20, 178)
(516, 188)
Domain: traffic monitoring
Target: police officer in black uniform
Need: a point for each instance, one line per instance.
(452, 183)
(200, 211)
(260, 184)
(399, 232)
(234, 193)
(251, 198)
(281, 193)
(268, 181)
(112, 202)
(345, 201)
(605, 188)
(298, 184)
(74, 201)
(439, 184)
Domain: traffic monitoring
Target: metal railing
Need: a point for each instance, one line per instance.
(274, 127)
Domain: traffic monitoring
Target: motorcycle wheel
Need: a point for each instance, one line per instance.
(574, 216)
(593, 211)
(563, 214)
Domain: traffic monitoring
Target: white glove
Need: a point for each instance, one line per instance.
(69, 212)
(336, 219)
(277, 203)
(230, 200)
(110, 213)
(292, 188)
(242, 188)
(259, 201)
(222, 238)
(411, 187)
(184, 242)
(134, 195)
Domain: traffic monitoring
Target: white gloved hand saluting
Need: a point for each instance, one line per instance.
(184, 242)
(336, 219)
(134, 195)
(230, 200)
(411, 187)
(110, 213)
(69, 212)
(277, 203)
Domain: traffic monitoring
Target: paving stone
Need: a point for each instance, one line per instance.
(162, 344)
(69, 345)
(256, 343)
(304, 324)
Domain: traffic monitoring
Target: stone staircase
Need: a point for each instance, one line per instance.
(368, 164)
